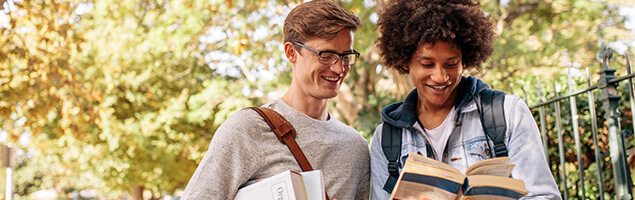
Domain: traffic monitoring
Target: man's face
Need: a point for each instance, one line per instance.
(436, 69)
(316, 79)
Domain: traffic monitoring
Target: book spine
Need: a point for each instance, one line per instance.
(442, 183)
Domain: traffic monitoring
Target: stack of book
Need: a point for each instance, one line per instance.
(288, 185)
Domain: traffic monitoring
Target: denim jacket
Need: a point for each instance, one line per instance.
(469, 145)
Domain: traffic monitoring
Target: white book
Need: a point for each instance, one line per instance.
(314, 185)
(288, 185)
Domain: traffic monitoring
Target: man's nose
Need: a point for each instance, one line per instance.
(338, 67)
(439, 75)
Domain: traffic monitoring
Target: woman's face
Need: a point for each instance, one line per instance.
(436, 69)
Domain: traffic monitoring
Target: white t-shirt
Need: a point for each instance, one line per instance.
(439, 136)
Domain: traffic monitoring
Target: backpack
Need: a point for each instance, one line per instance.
(491, 112)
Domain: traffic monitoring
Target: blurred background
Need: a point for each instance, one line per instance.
(119, 99)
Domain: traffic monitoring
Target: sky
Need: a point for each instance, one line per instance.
(622, 46)
(629, 13)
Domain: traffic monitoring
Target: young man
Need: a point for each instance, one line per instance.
(433, 41)
(318, 38)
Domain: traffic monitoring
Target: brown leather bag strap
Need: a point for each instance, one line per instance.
(286, 134)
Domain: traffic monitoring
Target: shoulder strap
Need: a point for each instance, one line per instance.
(286, 134)
(493, 119)
(391, 146)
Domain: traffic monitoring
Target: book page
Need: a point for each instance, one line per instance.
(504, 170)
(487, 197)
(411, 190)
(494, 187)
(418, 179)
(491, 161)
(422, 160)
(443, 173)
(313, 185)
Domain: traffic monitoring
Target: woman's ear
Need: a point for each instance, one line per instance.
(290, 52)
(406, 67)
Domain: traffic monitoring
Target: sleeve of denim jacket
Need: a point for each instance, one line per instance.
(526, 151)
(378, 167)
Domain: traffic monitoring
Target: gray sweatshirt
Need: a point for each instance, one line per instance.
(245, 149)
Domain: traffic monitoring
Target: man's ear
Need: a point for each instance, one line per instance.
(406, 67)
(290, 52)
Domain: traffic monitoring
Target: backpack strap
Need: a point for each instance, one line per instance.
(492, 115)
(391, 146)
(286, 134)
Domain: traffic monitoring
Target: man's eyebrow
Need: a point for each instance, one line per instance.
(425, 58)
(455, 57)
(345, 52)
(430, 58)
(349, 51)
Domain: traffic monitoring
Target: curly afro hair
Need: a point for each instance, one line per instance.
(408, 24)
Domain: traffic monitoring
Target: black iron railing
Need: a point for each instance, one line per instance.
(621, 186)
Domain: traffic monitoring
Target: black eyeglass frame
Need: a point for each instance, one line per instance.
(319, 53)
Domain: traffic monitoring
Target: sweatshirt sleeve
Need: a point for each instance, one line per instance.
(378, 167)
(526, 151)
(229, 161)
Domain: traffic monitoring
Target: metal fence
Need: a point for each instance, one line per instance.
(619, 185)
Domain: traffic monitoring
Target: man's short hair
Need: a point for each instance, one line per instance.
(319, 18)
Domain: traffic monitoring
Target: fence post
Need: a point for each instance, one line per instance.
(630, 90)
(563, 169)
(594, 131)
(576, 135)
(610, 101)
(5, 153)
(543, 124)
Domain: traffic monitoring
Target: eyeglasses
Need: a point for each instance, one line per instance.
(329, 57)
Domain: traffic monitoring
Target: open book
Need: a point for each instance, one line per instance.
(288, 185)
(487, 179)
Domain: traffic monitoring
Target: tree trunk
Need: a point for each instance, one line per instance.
(346, 106)
(137, 192)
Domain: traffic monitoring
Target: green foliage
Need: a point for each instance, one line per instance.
(122, 94)
(547, 36)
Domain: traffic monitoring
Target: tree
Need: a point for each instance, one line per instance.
(119, 90)
(544, 38)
